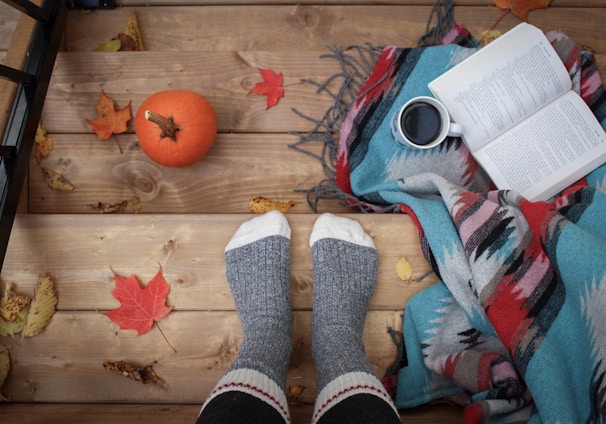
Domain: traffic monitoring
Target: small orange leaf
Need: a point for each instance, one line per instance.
(521, 8)
(109, 120)
(271, 86)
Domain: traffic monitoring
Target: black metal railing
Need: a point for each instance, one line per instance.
(32, 86)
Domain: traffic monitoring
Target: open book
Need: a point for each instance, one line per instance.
(523, 122)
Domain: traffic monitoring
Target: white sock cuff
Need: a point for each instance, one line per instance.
(346, 386)
(256, 384)
(341, 228)
(269, 224)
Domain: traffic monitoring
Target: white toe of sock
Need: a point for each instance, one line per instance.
(269, 224)
(338, 227)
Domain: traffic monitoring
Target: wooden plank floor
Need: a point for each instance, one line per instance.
(189, 214)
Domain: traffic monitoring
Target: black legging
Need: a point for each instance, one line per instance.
(238, 407)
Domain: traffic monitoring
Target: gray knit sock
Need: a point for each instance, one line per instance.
(258, 270)
(345, 270)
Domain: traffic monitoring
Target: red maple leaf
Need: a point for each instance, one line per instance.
(140, 307)
(521, 8)
(271, 86)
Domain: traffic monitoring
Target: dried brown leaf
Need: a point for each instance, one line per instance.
(127, 44)
(56, 180)
(262, 205)
(145, 374)
(110, 207)
(118, 207)
(133, 32)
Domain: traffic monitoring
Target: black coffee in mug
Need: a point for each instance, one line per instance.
(421, 123)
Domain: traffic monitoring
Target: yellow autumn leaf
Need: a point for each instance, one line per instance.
(44, 144)
(12, 305)
(404, 269)
(132, 30)
(262, 205)
(489, 36)
(13, 312)
(56, 181)
(5, 365)
(12, 328)
(112, 45)
(129, 40)
(42, 308)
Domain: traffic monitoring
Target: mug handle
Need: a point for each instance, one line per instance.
(455, 130)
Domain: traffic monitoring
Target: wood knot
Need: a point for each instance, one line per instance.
(140, 177)
(170, 246)
(247, 83)
(307, 16)
(142, 183)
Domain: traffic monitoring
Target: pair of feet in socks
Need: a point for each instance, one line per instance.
(344, 262)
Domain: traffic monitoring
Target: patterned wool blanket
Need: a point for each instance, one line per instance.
(513, 330)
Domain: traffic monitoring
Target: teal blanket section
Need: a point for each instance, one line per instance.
(511, 331)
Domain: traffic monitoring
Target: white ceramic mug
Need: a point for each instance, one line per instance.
(422, 123)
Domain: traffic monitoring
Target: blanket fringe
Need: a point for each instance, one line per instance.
(357, 63)
(443, 15)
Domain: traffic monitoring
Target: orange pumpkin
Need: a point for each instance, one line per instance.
(176, 127)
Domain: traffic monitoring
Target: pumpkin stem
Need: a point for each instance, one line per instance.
(167, 125)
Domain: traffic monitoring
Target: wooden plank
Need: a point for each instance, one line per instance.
(65, 361)
(309, 27)
(80, 251)
(301, 27)
(8, 23)
(63, 364)
(555, 3)
(25, 413)
(225, 78)
(237, 168)
(78, 77)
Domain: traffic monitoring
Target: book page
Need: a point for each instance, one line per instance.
(502, 83)
(548, 151)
